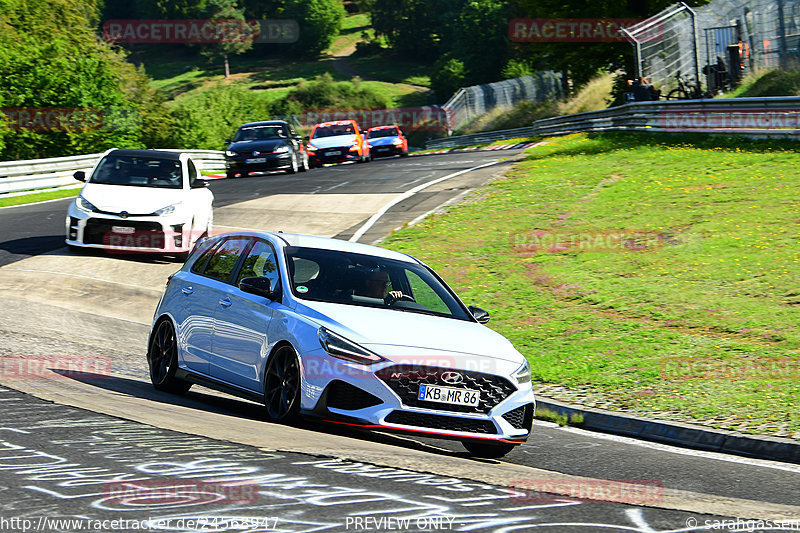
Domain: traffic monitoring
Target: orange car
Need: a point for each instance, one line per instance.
(337, 142)
(387, 141)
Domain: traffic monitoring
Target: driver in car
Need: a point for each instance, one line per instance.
(375, 285)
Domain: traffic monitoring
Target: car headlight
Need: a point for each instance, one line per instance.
(85, 204)
(397, 142)
(230, 153)
(523, 373)
(281, 150)
(311, 148)
(167, 210)
(341, 348)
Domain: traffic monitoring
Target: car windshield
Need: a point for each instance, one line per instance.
(388, 132)
(260, 133)
(139, 172)
(366, 281)
(333, 131)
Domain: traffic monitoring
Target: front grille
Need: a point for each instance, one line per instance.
(145, 234)
(521, 417)
(446, 423)
(406, 380)
(344, 396)
(343, 152)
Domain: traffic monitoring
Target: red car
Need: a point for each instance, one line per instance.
(387, 141)
(337, 142)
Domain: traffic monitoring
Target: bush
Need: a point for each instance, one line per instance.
(774, 83)
(324, 93)
(448, 76)
(205, 119)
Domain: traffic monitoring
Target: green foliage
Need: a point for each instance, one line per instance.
(50, 57)
(222, 10)
(319, 22)
(205, 119)
(449, 74)
(324, 93)
(516, 68)
(771, 83)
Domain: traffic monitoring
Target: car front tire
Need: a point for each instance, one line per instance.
(162, 359)
(282, 386)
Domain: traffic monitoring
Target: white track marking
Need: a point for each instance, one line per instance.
(719, 456)
(408, 194)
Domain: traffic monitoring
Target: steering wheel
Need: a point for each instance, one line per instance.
(404, 298)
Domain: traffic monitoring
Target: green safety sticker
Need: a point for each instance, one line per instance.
(302, 288)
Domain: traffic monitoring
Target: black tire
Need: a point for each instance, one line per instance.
(304, 166)
(282, 386)
(162, 359)
(488, 450)
(674, 94)
(403, 154)
(230, 175)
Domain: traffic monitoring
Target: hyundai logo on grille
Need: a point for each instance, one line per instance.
(452, 378)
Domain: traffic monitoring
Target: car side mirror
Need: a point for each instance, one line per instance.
(257, 286)
(480, 315)
(306, 138)
(228, 141)
(199, 184)
(79, 175)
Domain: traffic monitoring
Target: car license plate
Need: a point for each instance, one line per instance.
(333, 152)
(122, 229)
(434, 393)
(256, 160)
(383, 149)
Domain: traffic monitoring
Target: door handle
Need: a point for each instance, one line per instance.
(225, 302)
(187, 290)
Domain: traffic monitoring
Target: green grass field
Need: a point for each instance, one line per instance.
(656, 275)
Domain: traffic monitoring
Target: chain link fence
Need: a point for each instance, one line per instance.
(716, 44)
(472, 102)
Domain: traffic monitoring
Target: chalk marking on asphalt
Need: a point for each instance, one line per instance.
(635, 516)
(337, 185)
(719, 456)
(408, 194)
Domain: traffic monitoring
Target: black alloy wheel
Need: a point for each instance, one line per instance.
(282, 386)
(162, 359)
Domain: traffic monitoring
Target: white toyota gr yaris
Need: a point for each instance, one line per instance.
(141, 201)
(349, 333)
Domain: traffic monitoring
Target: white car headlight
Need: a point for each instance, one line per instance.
(341, 348)
(230, 153)
(85, 204)
(281, 150)
(168, 210)
(523, 373)
(311, 147)
(397, 142)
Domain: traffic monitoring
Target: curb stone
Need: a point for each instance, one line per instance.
(678, 433)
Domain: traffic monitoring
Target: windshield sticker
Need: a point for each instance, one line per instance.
(302, 289)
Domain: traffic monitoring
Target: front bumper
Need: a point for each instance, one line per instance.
(333, 155)
(144, 234)
(386, 150)
(262, 163)
(368, 397)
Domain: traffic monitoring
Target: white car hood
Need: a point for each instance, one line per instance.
(138, 200)
(374, 328)
(334, 142)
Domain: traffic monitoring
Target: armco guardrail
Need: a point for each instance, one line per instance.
(56, 172)
(769, 116)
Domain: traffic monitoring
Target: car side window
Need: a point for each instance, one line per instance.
(260, 263)
(193, 174)
(202, 261)
(220, 266)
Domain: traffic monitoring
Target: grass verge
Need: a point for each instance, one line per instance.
(653, 275)
(38, 197)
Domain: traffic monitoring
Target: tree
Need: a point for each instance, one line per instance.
(319, 21)
(237, 35)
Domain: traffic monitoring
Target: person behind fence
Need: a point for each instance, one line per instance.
(643, 91)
